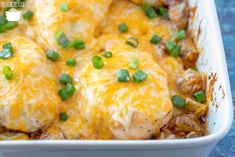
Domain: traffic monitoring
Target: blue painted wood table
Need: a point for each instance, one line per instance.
(226, 13)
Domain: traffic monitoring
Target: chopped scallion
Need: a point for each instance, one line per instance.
(107, 54)
(3, 20)
(123, 28)
(63, 116)
(97, 62)
(155, 39)
(180, 35)
(65, 78)
(10, 25)
(7, 51)
(140, 76)
(63, 94)
(62, 39)
(28, 15)
(123, 75)
(162, 11)
(149, 11)
(177, 101)
(70, 89)
(7, 72)
(199, 96)
(52, 55)
(64, 7)
(132, 41)
(71, 62)
(173, 48)
(134, 64)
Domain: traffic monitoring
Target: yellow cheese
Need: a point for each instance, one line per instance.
(79, 22)
(105, 101)
(29, 101)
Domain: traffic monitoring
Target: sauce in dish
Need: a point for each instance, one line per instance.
(100, 69)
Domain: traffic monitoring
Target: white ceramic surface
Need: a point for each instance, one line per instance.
(212, 60)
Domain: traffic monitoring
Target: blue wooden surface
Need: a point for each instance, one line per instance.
(226, 12)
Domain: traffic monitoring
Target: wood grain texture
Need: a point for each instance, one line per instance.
(226, 13)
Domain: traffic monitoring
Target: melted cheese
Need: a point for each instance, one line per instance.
(100, 101)
(125, 12)
(78, 23)
(105, 101)
(29, 101)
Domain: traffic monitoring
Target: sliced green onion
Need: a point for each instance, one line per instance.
(65, 78)
(28, 15)
(97, 62)
(123, 75)
(7, 46)
(62, 39)
(173, 48)
(155, 39)
(123, 28)
(149, 11)
(64, 7)
(177, 101)
(132, 41)
(199, 96)
(10, 25)
(63, 94)
(52, 55)
(7, 72)
(170, 46)
(77, 44)
(140, 76)
(107, 54)
(63, 116)
(3, 20)
(134, 64)
(181, 35)
(71, 62)
(162, 11)
(7, 51)
(176, 51)
(5, 54)
(70, 89)
(145, 6)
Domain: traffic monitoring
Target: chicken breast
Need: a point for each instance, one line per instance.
(79, 22)
(29, 100)
(75, 127)
(125, 12)
(128, 110)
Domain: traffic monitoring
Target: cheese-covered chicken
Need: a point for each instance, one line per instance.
(116, 69)
(78, 21)
(125, 12)
(128, 110)
(28, 99)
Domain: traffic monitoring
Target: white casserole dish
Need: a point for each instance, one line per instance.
(212, 61)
